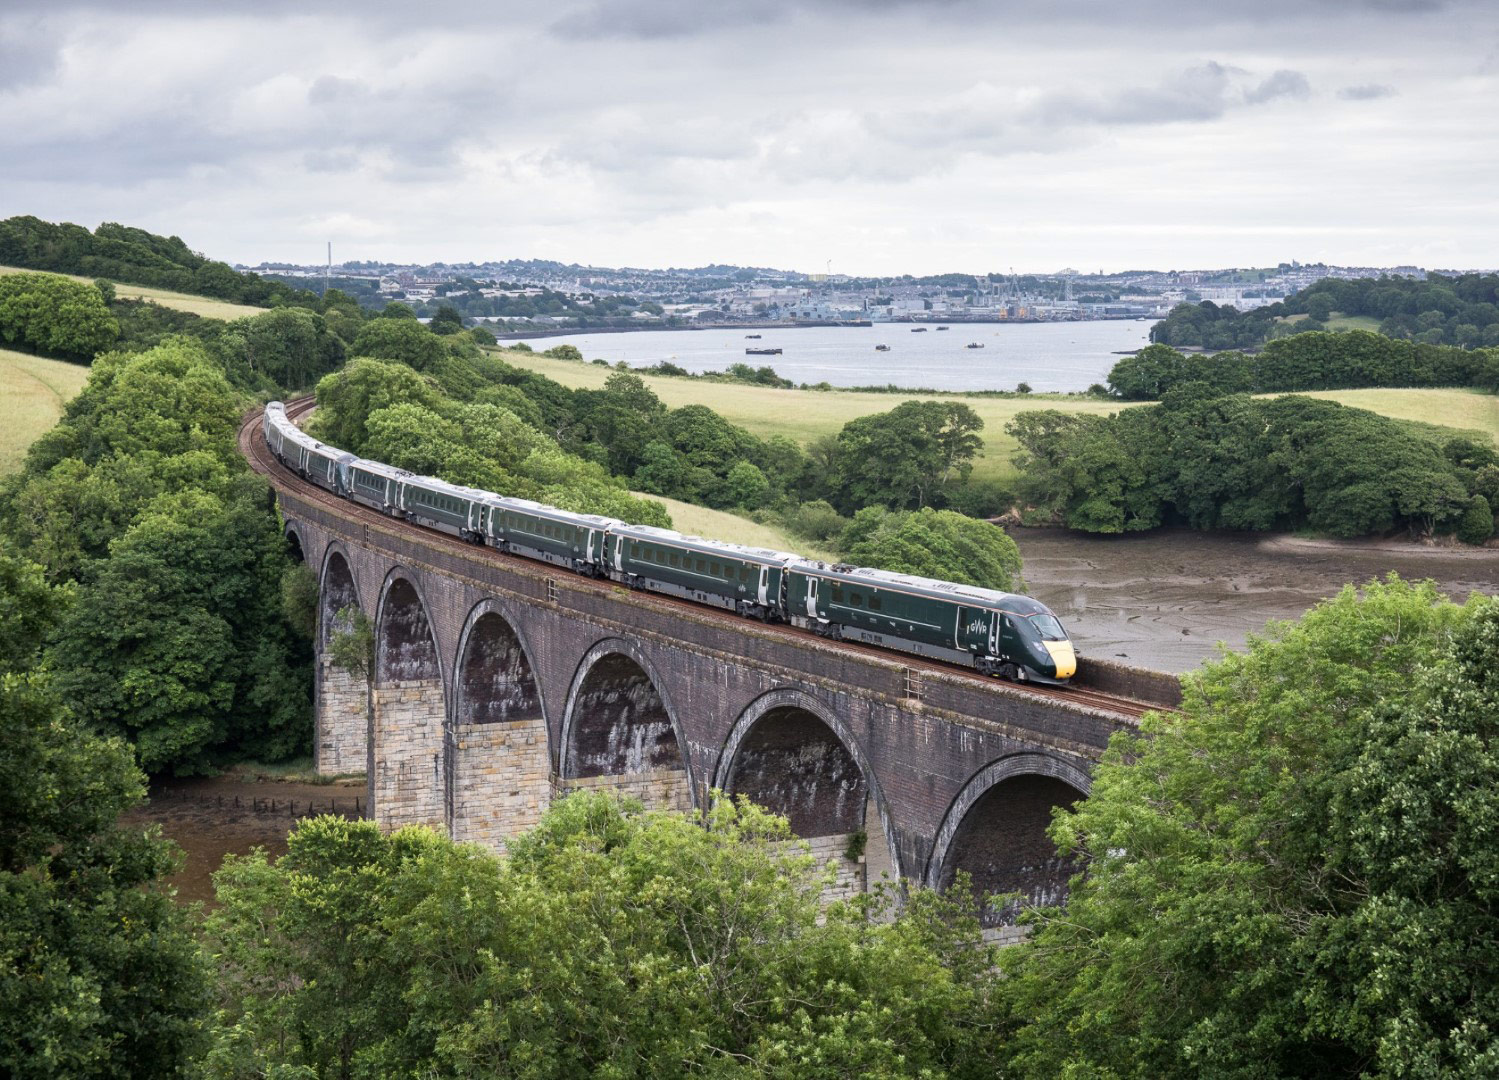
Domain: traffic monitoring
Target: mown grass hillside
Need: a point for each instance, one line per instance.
(731, 528)
(33, 391)
(205, 306)
(805, 415)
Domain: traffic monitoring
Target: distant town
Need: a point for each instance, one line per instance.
(531, 296)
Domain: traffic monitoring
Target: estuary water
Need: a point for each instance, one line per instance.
(1065, 356)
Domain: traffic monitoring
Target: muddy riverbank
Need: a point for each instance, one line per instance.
(209, 817)
(1165, 599)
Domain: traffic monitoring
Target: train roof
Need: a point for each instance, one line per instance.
(667, 536)
(379, 468)
(598, 521)
(1011, 603)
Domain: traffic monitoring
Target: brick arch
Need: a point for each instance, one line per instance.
(295, 548)
(405, 637)
(494, 669)
(337, 589)
(777, 715)
(995, 829)
(644, 732)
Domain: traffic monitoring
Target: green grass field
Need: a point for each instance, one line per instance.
(1339, 321)
(806, 414)
(733, 529)
(196, 305)
(1465, 410)
(803, 415)
(33, 391)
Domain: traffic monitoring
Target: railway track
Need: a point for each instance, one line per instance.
(252, 444)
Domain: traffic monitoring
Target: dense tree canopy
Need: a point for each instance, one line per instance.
(55, 316)
(936, 544)
(609, 943)
(1310, 361)
(1293, 876)
(904, 458)
(99, 976)
(121, 253)
(177, 638)
(1238, 462)
(1437, 310)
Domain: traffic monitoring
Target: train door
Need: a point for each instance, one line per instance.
(619, 554)
(812, 584)
(762, 594)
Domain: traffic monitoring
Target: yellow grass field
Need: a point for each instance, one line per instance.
(803, 415)
(733, 529)
(33, 391)
(196, 305)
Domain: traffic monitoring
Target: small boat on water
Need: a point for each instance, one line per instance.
(762, 352)
(882, 348)
(944, 328)
(974, 345)
(918, 329)
(755, 337)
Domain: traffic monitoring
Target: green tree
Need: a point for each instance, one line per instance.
(347, 398)
(609, 943)
(405, 340)
(746, 486)
(902, 459)
(55, 315)
(938, 544)
(178, 638)
(1268, 888)
(446, 320)
(99, 972)
(1477, 523)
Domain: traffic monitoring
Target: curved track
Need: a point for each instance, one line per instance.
(252, 444)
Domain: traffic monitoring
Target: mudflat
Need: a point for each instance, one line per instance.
(1165, 599)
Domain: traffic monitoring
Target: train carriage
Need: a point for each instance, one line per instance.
(560, 537)
(376, 485)
(743, 579)
(449, 508)
(995, 632)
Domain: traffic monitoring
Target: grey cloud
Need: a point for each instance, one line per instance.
(1366, 92)
(1199, 93)
(29, 52)
(1282, 84)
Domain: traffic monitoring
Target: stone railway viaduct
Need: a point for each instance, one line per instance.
(499, 684)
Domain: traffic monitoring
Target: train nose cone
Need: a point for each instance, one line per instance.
(1063, 657)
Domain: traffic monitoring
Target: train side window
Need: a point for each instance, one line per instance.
(713, 569)
(874, 603)
(701, 566)
(676, 559)
(837, 594)
(856, 600)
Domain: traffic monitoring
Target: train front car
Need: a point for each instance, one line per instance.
(1032, 636)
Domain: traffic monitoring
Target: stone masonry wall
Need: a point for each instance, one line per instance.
(658, 789)
(407, 787)
(343, 704)
(848, 874)
(501, 780)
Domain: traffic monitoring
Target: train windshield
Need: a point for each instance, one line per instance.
(1048, 627)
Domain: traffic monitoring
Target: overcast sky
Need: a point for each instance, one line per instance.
(881, 135)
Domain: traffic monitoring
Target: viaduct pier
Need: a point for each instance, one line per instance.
(499, 684)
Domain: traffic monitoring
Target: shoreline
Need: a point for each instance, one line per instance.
(579, 331)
